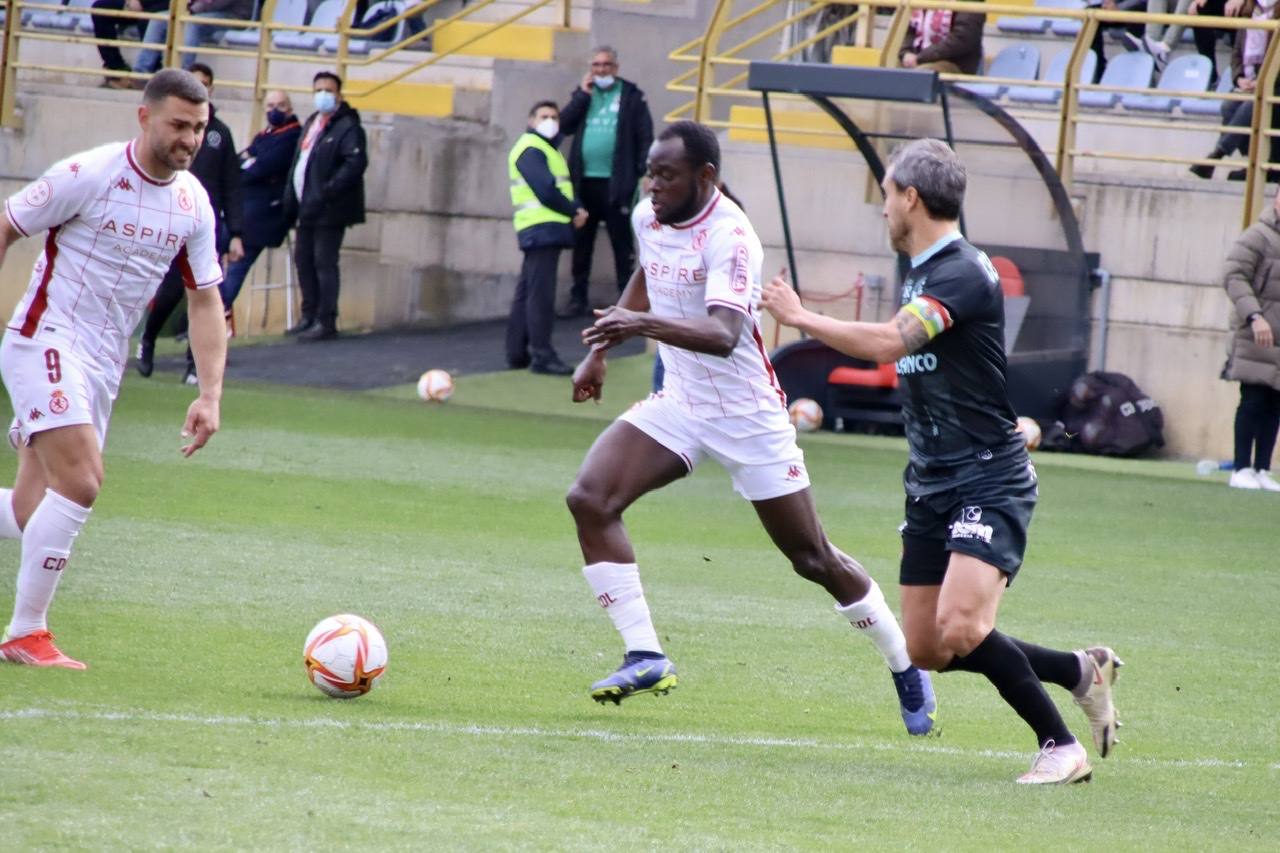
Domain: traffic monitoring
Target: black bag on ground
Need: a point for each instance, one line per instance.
(1106, 414)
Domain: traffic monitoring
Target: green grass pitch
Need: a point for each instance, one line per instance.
(195, 582)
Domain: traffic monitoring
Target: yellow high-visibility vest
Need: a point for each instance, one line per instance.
(528, 210)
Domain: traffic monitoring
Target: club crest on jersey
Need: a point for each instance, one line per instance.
(58, 402)
(38, 194)
(123, 184)
(184, 200)
(700, 239)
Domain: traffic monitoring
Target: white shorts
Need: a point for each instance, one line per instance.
(758, 450)
(50, 387)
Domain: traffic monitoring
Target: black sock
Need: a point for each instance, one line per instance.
(1052, 666)
(1003, 663)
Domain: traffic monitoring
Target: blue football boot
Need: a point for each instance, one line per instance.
(637, 674)
(915, 696)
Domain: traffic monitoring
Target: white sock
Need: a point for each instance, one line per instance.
(873, 618)
(617, 588)
(46, 546)
(9, 528)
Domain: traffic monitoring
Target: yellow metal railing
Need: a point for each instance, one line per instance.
(718, 74)
(264, 55)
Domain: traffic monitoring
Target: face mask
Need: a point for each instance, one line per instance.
(547, 128)
(275, 118)
(326, 102)
(603, 82)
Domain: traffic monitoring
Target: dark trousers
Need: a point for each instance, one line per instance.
(1257, 422)
(1207, 37)
(595, 200)
(166, 299)
(533, 308)
(1240, 114)
(237, 272)
(109, 28)
(316, 253)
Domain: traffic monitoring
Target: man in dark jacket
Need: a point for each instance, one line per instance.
(264, 171)
(545, 216)
(609, 120)
(943, 40)
(217, 168)
(325, 196)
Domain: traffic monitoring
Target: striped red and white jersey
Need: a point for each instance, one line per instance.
(112, 233)
(713, 260)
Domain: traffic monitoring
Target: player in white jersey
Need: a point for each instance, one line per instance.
(697, 292)
(114, 218)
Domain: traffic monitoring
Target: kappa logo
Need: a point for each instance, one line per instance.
(795, 472)
(74, 169)
(738, 232)
(35, 415)
(123, 184)
(184, 200)
(58, 402)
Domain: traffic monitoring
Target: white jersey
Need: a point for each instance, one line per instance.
(713, 260)
(113, 233)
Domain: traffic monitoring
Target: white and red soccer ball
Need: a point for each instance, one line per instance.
(1030, 432)
(345, 656)
(806, 415)
(435, 386)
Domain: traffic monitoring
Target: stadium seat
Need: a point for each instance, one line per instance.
(67, 20)
(1207, 106)
(1188, 73)
(1129, 71)
(286, 12)
(1033, 24)
(1066, 27)
(330, 43)
(1011, 282)
(1017, 61)
(326, 16)
(1056, 72)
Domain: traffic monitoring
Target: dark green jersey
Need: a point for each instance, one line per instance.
(955, 407)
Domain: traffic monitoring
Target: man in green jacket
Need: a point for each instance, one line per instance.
(546, 214)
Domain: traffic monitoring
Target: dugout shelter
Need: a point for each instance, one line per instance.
(1016, 210)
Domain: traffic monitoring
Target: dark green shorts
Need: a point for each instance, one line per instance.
(986, 519)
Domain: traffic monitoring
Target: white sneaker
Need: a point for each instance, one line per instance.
(1245, 478)
(1159, 50)
(1059, 765)
(1265, 482)
(1100, 666)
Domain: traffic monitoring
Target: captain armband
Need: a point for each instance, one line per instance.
(931, 313)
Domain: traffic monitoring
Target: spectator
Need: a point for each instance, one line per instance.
(1160, 40)
(264, 171)
(1130, 33)
(1253, 285)
(149, 60)
(108, 27)
(1207, 37)
(1246, 62)
(218, 170)
(609, 120)
(545, 216)
(325, 196)
(945, 41)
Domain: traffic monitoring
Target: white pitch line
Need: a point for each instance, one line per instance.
(139, 716)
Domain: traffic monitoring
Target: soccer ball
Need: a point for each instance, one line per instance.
(435, 385)
(806, 415)
(1030, 431)
(345, 656)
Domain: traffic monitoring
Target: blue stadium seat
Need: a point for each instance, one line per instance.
(326, 15)
(1068, 27)
(1028, 24)
(1129, 71)
(1188, 73)
(1207, 106)
(1055, 73)
(1018, 61)
(287, 12)
(68, 20)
